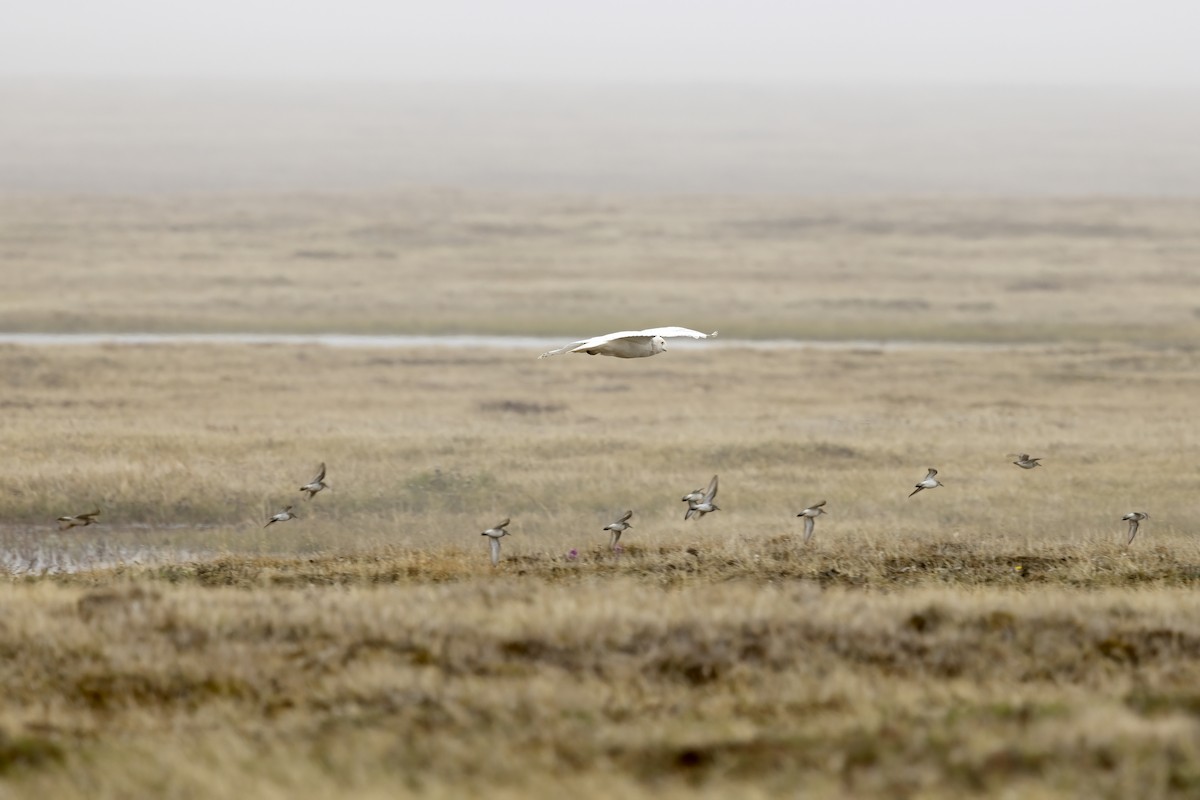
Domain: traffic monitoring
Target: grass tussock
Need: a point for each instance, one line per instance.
(685, 562)
(749, 684)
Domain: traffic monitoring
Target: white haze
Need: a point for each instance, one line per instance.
(760, 96)
(778, 41)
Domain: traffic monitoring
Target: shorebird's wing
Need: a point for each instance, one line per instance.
(808, 528)
(932, 473)
(711, 492)
(495, 545)
(1133, 529)
(320, 474)
(818, 505)
(625, 517)
(503, 525)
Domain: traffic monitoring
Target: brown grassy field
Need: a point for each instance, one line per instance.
(991, 637)
(995, 637)
(1030, 270)
(513, 686)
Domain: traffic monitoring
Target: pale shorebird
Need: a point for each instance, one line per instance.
(316, 484)
(705, 504)
(1024, 461)
(930, 481)
(71, 521)
(810, 515)
(494, 533)
(1133, 518)
(282, 516)
(619, 527)
(628, 344)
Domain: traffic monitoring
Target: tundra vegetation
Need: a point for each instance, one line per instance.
(996, 635)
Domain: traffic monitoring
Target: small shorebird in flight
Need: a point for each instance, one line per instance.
(628, 344)
(1133, 518)
(619, 527)
(494, 533)
(705, 504)
(810, 515)
(282, 516)
(929, 482)
(1024, 461)
(71, 521)
(316, 484)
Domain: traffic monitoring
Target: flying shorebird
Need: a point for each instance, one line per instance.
(705, 504)
(71, 521)
(316, 484)
(810, 515)
(1024, 461)
(282, 516)
(628, 344)
(619, 527)
(928, 483)
(494, 535)
(1133, 518)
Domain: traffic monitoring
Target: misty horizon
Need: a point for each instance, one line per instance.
(114, 136)
(1020, 42)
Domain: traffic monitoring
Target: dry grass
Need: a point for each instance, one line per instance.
(958, 269)
(423, 446)
(992, 637)
(516, 685)
(369, 649)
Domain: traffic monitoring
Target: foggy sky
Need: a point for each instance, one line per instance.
(892, 41)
